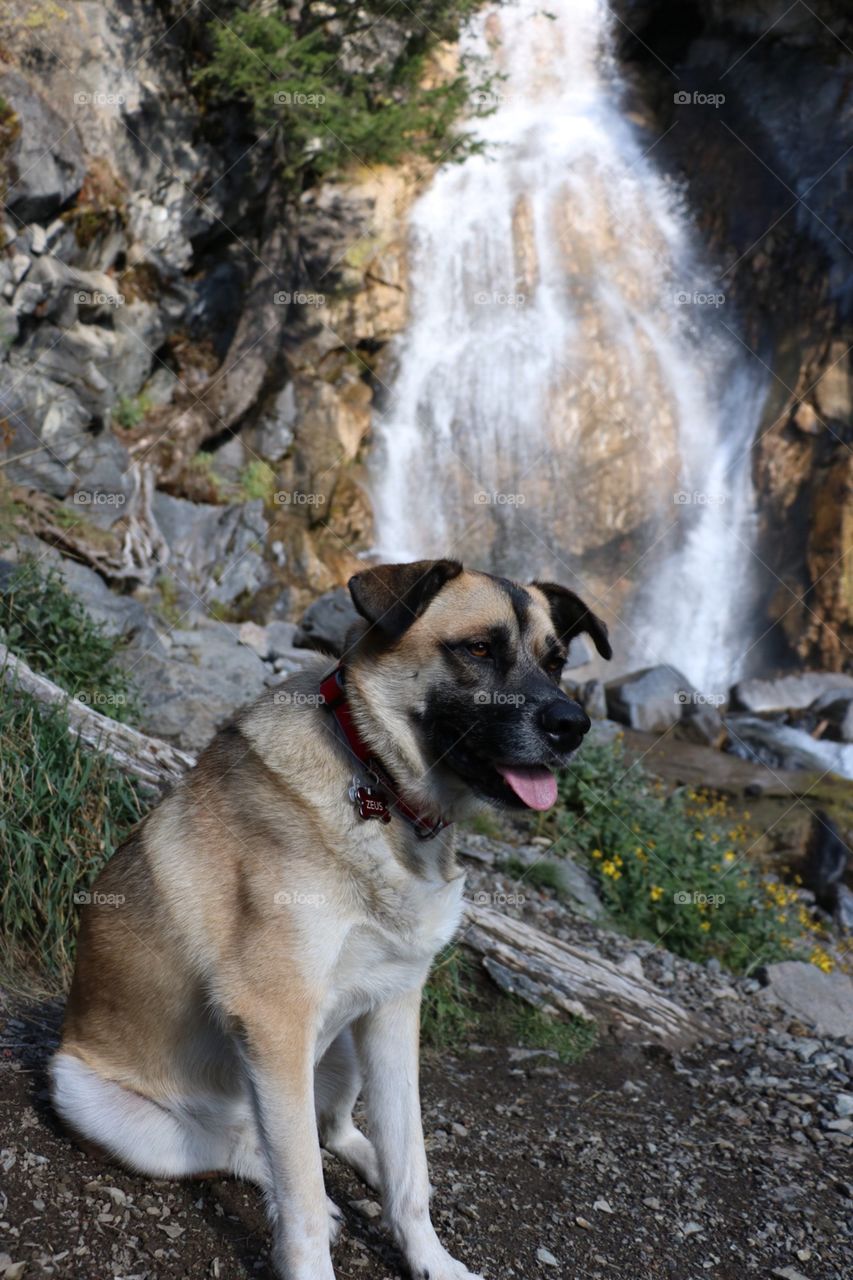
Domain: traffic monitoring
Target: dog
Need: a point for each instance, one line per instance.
(279, 912)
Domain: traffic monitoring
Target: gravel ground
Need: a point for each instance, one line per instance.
(727, 1161)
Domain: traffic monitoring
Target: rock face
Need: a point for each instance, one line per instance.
(768, 185)
(44, 160)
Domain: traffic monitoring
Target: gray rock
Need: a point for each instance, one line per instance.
(206, 677)
(820, 1000)
(326, 622)
(592, 698)
(216, 552)
(577, 885)
(280, 636)
(45, 161)
(785, 747)
(649, 700)
(273, 434)
(701, 722)
(788, 693)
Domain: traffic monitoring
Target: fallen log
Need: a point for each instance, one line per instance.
(559, 978)
(150, 760)
(556, 977)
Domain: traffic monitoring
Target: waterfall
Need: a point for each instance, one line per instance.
(568, 398)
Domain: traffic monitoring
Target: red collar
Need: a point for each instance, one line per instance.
(374, 804)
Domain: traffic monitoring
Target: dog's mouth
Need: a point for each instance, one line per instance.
(517, 786)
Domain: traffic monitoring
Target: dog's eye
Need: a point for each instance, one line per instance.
(479, 649)
(554, 666)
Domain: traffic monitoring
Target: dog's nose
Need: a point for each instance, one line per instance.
(565, 723)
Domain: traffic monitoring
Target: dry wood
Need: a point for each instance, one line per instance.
(558, 977)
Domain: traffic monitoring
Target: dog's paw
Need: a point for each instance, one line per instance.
(336, 1221)
(441, 1266)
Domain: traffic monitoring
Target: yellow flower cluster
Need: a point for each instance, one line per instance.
(656, 893)
(822, 959)
(611, 867)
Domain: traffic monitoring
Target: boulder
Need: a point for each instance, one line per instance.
(216, 551)
(821, 1000)
(45, 160)
(785, 747)
(325, 623)
(838, 710)
(788, 693)
(651, 700)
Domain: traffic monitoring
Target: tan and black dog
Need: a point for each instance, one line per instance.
(256, 951)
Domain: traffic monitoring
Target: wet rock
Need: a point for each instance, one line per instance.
(790, 692)
(326, 622)
(783, 746)
(45, 161)
(650, 700)
(820, 1000)
(838, 710)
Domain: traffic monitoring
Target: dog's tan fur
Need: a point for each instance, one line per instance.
(271, 947)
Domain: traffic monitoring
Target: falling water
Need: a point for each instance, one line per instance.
(568, 398)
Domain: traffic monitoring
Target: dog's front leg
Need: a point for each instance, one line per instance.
(387, 1039)
(281, 1068)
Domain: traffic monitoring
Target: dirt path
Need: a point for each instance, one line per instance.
(717, 1164)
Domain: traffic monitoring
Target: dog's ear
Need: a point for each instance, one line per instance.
(572, 617)
(392, 596)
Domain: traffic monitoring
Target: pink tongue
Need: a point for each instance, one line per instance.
(536, 787)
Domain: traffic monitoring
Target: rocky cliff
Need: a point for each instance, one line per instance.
(755, 108)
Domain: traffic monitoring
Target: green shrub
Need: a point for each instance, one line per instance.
(674, 869)
(319, 113)
(257, 480)
(63, 811)
(129, 411)
(43, 623)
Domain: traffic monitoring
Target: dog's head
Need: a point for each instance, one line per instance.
(456, 677)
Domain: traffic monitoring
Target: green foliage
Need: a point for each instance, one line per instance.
(674, 869)
(130, 410)
(321, 109)
(257, 480)
(41, 622)
(541, 875)
(63, 811)
(453, 1010)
